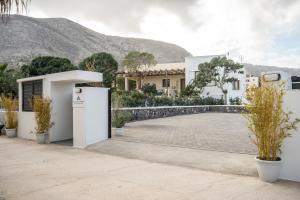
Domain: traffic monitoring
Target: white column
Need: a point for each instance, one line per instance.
(126, 84)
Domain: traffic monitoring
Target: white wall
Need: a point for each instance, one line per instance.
(291, 146)
(26, 120)
(62, 111)
(285, 77)
(26, 125)
(90, 116)
(192, 63)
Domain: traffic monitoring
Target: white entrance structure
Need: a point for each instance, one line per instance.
(59, 88)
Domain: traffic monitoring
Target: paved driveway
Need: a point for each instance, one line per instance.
(209, 131)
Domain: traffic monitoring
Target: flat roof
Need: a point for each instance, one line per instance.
(77, 76)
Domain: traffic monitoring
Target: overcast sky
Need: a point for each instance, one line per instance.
(262, 31)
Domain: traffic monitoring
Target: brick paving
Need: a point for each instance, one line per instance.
(208, 131)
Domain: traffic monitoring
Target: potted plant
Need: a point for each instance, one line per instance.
(119, 117)
(10, 106)
(42, 113)
(270, 125)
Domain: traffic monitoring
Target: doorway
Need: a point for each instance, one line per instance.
(182, 84)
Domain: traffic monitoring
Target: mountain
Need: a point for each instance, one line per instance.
(23, 38)
(257, 69)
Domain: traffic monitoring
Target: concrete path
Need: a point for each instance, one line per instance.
(225, 132)
(233, 163)
(33, 172)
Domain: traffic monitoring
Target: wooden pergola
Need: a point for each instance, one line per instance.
(153, 72)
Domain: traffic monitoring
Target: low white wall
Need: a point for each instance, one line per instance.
(26, 125)
(291, 146)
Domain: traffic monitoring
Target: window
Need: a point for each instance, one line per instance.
(29, 90)
(166, 83)
(236, 85)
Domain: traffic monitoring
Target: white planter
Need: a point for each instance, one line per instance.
(268, 171)
(118, 131)
(41, 138)
(11, 133)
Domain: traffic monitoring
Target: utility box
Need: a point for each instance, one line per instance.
(90, 115)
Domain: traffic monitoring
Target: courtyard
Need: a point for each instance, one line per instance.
(29, 171)
(224, 132)
(207, 141)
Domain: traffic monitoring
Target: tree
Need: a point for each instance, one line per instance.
(7, 5)
(8, 81)
(103, 63)
(47, 65)
(134, 61)
(216, 71)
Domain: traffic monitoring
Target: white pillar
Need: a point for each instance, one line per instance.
(126, 84)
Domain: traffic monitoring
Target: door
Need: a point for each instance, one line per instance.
(182, 84)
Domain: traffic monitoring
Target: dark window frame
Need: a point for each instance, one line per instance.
(35, 88)
(165, 83)
(236, 85)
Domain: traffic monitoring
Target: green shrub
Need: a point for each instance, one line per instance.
(120, 82)
(149, 89)
(189, 91)
(139, 99)
(163, 101)
(119, 118)
(235, 101)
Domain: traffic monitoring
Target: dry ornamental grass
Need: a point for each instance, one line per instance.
(10, 106)
(267, 120)
(42, 111)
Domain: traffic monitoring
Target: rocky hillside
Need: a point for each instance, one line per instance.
(24, 38)
(257, 69)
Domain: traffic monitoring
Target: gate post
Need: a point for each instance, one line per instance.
(109, 113)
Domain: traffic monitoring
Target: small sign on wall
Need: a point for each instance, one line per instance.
(78, 98)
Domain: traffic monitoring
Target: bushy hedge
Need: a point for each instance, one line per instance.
(139, 99)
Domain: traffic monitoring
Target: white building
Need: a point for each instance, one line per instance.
(235, 89)
(252, 81)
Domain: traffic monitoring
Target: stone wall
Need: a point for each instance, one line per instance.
(145, 113)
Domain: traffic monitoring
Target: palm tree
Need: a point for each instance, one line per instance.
(7, 5)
